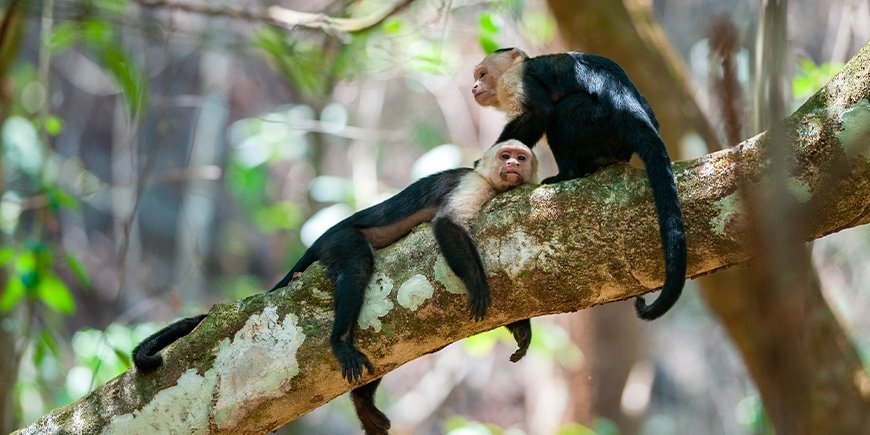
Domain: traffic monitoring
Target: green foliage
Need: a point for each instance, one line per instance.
(488, 30)
(97, 357)
(32, 276)
(811, 77)
(549, 340)
(279, 216)
(303, 63)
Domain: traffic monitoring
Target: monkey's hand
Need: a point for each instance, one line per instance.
(478, 303)
(351, 361)
(522, 332)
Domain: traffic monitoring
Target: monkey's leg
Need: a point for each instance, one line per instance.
(349, 262)
(374, 422)
(522, 332)
(461, 254)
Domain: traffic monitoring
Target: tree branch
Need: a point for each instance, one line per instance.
(286, 18)
(254, 365)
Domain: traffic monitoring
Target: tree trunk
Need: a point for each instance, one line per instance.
(628, 33)
(821, 350)
(254, 365)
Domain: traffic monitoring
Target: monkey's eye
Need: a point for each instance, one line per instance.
(505, 156)
(521, 158)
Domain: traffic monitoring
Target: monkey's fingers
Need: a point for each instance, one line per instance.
(352, 362)
(478, 307)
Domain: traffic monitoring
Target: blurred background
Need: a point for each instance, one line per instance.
(163, 156)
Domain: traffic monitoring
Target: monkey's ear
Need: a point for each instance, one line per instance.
(518, 56)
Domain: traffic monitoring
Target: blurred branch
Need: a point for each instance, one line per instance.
(256, 364)
(286, 18)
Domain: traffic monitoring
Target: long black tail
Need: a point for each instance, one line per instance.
(310, 256)
(652, 152)
(146, 356)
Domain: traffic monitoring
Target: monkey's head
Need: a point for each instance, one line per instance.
(489, 70)
(507, 164)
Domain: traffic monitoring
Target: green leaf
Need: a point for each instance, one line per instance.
(7, 253)
(53, 125)
(56, 295)
(63, 36)
(45, 345)
(281, 216)
(78, 269)
(97, 32)
(59, 198)
(488, 23)
(393, 26)
(487, 44)
(128, 76)
(12, 293)
(122, 356)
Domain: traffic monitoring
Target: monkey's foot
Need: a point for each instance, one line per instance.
(374, 422)
(351, 361)
(522, 332)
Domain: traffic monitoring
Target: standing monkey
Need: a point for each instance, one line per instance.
(593, 116)
(449, 199)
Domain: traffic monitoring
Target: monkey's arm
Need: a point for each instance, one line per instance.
(535, 112)
(461, 254)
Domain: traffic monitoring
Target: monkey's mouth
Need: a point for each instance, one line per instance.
(512, 176)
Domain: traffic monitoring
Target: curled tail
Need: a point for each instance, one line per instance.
(652, 152)
(146, 356)
(310, 256)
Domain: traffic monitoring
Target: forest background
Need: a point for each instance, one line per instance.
(162, 156)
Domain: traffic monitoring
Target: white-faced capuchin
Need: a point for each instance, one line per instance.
(449, 199)
(593, 116)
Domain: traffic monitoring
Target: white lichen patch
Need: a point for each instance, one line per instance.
(855, 135)
(320, 294)
(182, 408)
(256, 365)
(728, 207)
(377, 303)
(512, 254)
(414, 292)
(447, 278)
(799, 189)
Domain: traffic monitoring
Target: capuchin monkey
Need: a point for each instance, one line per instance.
(593, 116)
(449, 199)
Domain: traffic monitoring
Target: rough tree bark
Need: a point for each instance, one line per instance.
(254, 365)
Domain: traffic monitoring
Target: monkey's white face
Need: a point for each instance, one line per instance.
(488, 72)
(508, 164)
(485, 80)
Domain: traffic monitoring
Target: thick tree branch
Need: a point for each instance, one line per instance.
(255, 364)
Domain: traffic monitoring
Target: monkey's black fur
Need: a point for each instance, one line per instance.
(594, 116)
(146, 354)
